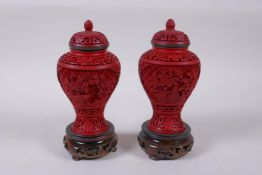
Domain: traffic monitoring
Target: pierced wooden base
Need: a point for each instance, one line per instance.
(82, 147)
(165, 147)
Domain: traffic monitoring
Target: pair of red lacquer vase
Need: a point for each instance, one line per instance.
(89, 74)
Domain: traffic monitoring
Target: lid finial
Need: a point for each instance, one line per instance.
(170, 24)
(88, 25)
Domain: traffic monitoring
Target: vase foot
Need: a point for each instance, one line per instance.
(83, 147)
(165, 147)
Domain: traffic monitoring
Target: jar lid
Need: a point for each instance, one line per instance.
(170, 38)
(88, 40)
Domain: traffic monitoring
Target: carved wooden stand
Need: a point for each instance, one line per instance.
(90, 147)
(168, 72)
(88, 75)
(161, 147)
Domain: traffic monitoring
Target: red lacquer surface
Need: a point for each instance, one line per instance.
(88, 75)
(168, 73)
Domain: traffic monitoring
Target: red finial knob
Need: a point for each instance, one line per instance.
(170, 24)
(88, 25)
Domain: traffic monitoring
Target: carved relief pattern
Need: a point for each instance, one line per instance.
(168, 108)
(168, 88)
(88, 111)
(163, 123)
(88, 40)
(88, 60)
(171, 38)
(89, 91)
(170, 57)
(169, 84)
(92, 125)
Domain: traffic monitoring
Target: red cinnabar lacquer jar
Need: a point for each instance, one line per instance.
(169, 73)
(88, 75)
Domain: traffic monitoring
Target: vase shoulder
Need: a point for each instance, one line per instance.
(169, 57)
(88, 60)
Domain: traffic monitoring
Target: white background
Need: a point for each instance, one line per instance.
(224, 111)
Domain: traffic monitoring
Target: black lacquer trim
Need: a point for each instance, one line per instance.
(170, 45)
(88, 49)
